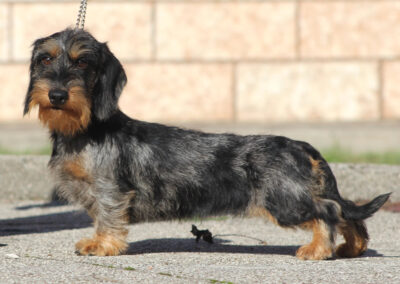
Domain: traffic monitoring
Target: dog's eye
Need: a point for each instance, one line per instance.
(46, 60)
(81, 63)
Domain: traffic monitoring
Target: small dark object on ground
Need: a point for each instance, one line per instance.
(205, 234)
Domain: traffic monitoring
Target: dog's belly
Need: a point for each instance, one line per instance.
(172, 203)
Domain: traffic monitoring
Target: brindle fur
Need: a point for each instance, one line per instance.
(122, 169)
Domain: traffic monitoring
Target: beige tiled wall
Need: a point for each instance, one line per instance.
(307, 91)
(175, 92)
(14, 84)
(3, 32)
(391, 90)
(225, 31)
(227, 60)
(350, 29)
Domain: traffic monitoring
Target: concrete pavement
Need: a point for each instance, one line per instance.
(37, 246)
(37, 239)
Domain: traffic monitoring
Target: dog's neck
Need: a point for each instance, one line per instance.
(96, 132)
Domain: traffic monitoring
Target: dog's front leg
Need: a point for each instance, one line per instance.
(110, 215)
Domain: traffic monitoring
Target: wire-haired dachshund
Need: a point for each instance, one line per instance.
(121, 169)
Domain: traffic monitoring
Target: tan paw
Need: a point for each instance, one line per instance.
(101, 245)
(313, 252)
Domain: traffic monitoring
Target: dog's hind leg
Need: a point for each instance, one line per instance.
(322, 244)
(356, 238)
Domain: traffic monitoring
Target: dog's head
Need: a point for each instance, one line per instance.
(73, 79)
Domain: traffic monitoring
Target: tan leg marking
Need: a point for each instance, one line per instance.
(320, 246)
(356, 239)
(107, 241)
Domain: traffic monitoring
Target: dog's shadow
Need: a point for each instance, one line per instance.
(177, 245)
(44, 223)
(174, 245)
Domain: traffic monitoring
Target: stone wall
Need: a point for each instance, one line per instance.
(225, 60)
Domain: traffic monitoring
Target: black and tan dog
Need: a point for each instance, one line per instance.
(120, 169)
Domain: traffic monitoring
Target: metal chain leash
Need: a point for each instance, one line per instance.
(80, 22)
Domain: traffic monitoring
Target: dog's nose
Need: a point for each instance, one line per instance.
(58, 97)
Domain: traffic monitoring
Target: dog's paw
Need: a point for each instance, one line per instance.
(344, 250)
(349, 250)
(313, 252)
(101, 245)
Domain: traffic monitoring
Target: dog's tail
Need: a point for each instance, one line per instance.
(351, 211)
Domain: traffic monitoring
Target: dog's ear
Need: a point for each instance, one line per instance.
(28, 98)
(111, 80)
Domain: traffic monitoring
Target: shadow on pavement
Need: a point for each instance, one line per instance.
(219, 246)
(45, 205)
(190, 245)
(44, 223)
(55, 201)
(372, 253)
